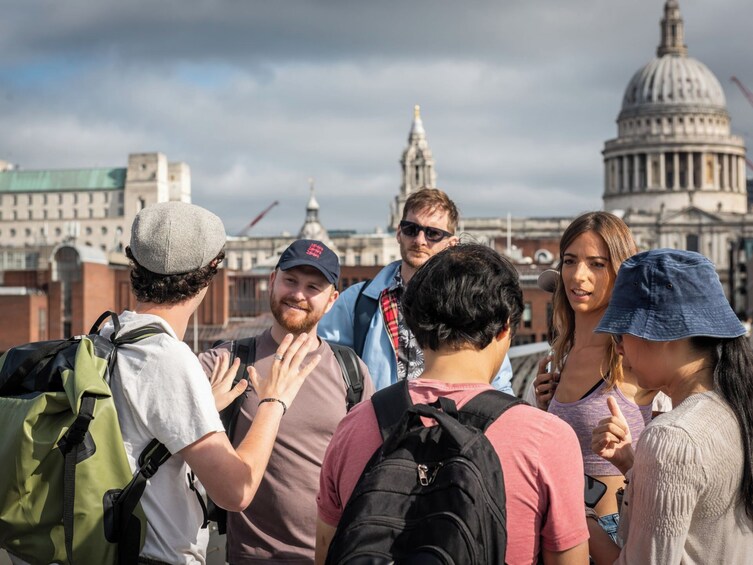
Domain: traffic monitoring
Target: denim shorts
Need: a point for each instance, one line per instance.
(609, 524)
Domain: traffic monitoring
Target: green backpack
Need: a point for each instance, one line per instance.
(67, 493)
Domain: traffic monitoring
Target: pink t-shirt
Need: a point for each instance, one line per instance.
(540, 459)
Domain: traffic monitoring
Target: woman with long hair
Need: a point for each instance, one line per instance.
(586, 367)
(689, 492)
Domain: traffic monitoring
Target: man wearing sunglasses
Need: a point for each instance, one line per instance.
(367, 316)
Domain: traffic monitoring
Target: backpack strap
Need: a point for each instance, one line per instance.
(363, 312)
(137, 335)
(351, 370)
(245, 350)
(126, 528)
(481, 410)
(390, 404)
(70, 445)
(102, 318)
(150, 459)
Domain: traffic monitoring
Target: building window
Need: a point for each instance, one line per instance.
(15, 199)
(44, 198)
(13, 232)
(91, 212)
(75, 213)
(75, 197)
(88, 230)
(29, 214)
(104, 230)
(527, 315)
(27, 231)
(691, 242)
(60, 198)
(44, 214)
(107, 197)
(60, 214)
(91, 197)
(58, 231)
(30, 199)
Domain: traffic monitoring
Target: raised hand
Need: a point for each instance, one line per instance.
(287, 374)
(611, 439)
(545, 384)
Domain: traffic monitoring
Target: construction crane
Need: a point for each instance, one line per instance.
(253, 222)
(749, 95)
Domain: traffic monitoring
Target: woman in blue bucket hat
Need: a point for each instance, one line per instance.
(689, 480)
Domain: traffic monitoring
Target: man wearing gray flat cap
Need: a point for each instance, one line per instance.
(161, 391)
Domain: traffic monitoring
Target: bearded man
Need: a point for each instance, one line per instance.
(280, 525)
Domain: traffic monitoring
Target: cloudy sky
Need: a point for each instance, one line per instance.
(517, 96)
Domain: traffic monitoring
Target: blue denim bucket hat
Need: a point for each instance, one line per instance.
(665, 295)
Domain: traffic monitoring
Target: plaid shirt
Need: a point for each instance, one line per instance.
(410, 358)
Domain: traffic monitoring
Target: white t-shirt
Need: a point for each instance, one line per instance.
(161, 391)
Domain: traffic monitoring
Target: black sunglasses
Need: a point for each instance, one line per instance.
(433, 235)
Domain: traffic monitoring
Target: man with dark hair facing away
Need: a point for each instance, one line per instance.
(279, 526)
(389, 349)
(161, 391)
(463, 307)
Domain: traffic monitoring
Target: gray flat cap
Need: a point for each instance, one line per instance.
(171, 238)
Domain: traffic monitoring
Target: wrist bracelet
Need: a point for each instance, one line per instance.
(284, 406)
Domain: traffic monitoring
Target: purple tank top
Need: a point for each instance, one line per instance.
(585, 414)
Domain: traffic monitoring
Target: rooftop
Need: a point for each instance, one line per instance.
(62, 180)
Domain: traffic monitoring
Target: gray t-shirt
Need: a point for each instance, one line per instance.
(280, 523)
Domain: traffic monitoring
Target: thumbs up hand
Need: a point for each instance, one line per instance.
(611, 439)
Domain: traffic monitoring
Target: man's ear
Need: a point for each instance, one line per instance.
(504, 333)
(331, 302)
(272, 277)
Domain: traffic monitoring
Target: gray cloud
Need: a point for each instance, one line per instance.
(517, 97)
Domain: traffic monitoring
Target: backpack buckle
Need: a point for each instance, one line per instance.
(153, 456)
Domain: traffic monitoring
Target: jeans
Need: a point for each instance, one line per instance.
(609, 524)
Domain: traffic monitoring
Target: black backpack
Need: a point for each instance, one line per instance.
(245, 349)
(429, 495)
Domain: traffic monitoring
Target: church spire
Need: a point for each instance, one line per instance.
(417, 164)
(672, 31)
(417, 129)
(312, 227)
(312, 208)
